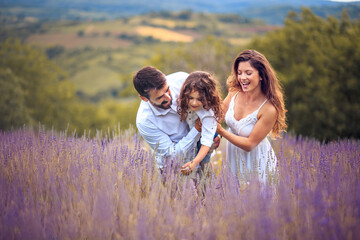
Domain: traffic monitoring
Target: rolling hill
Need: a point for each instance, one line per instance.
(271, 11)
(100, 56)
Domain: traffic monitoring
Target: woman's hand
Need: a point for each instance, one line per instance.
(187, 168)
(215, 144)
(220, 130)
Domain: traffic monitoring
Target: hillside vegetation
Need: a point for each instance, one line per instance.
(316, 59)
(272, 12)
(98, 59)
(317, 62)
(98, 54)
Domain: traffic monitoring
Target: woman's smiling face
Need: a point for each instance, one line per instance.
(248, 76)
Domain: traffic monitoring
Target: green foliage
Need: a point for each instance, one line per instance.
(127, 89)
(80, 33)
(233, 18)
(54, 51)
(318, 62)
(21, 29)
(316, 59)
(34, 88)
(12, 102)
(95, 54)
(276, 13)
(136, 39)
(115, 112)
(210, 54)
(107, 114)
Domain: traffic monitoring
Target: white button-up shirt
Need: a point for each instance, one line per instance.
(208, 124)
(162, 128)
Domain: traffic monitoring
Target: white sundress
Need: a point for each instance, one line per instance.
(261, 160)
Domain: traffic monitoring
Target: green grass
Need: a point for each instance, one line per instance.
(99, 60)
(111, 25)
(95, 79)
(96, 70)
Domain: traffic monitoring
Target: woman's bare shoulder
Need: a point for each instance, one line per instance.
(232, 92)
(268, 109)
(227, 100)
(229, 96)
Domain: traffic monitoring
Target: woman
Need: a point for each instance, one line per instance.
(254, 109)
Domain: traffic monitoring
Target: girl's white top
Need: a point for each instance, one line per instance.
(209, 124)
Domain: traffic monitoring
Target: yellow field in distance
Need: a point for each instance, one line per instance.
(171, 23)
(163, 34)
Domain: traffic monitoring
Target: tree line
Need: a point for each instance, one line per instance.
(34, 90)
(316, 60)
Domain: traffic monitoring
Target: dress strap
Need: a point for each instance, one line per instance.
(235, 95)
(262, 104)
(233, 98)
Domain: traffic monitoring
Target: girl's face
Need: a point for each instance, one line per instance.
(248, 76)
(195, 101)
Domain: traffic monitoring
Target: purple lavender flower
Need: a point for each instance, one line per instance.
(55, 186)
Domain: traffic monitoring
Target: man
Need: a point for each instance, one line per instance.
(157, 119)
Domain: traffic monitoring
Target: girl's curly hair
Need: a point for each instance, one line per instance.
(205, 84)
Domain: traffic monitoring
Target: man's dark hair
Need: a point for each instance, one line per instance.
(148, 78)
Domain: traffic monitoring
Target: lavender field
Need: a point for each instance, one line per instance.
(59, 186)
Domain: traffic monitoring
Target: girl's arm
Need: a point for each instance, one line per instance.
(261, 129)
(199, 157)
(208, 130)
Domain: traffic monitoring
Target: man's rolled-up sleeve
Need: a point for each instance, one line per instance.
(161, 143)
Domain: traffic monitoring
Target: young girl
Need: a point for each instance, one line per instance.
(199, 98)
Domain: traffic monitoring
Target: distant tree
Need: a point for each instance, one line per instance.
(185, 15)
(111, 112)
(125, 20)
(54, 51)
(231, 18)
(109, 58)
(33, 88)
(164, 14)
(318, 62)
(127, 89)
(20, 17)
(80, 33)
(13, 112)
(211, 54)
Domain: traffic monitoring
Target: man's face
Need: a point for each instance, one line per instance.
(161, 98)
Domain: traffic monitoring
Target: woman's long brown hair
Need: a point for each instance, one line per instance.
(270, 85)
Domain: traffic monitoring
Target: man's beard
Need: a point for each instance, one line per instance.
(164, 105)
